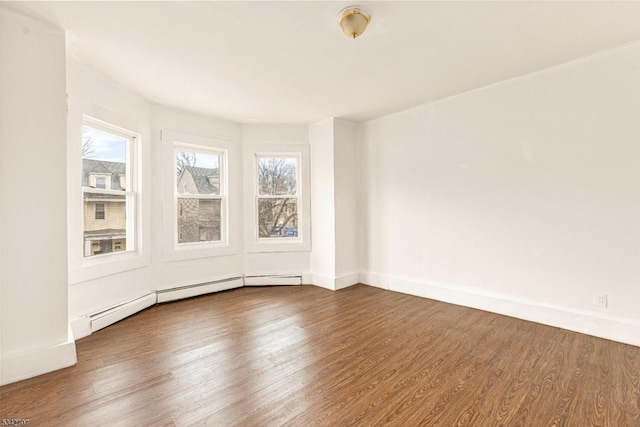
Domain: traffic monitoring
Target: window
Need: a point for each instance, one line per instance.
(278, 200)
(277, 203)
(200, 195)
(99, 211)
(109, 203)
(104, 143)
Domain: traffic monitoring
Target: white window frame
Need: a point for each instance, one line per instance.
(254, 151)
(81, 268)
(297, 196)
(131, 193)
(222, 165)
(171, 251)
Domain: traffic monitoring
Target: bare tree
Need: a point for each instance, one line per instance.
(87, 143)
(184, 159)
(277, 177)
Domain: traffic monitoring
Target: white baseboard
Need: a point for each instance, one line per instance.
(183, 292)
(307, 278)
(23, 365)
(272, 279)
(80, 327)
(326, 282)
(336, 283)
(596, 324)
(119, 312)
(375, 280)
(85, 325)
(347, 280)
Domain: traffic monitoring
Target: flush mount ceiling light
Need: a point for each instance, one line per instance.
(353, 20)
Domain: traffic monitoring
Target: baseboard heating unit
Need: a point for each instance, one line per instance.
(273, 279)
(188, 291)
(88, 324)
(112, 315)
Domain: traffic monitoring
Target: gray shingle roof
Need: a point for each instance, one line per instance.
(201, 179)
(115, 169)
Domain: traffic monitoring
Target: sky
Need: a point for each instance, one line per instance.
(208, 161)
(106, 146)
(113, 148)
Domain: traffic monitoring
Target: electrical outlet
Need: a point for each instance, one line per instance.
(599, 299)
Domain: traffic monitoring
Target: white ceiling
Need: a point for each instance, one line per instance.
(289, 62)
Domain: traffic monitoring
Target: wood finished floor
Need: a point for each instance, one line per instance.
(304, 356)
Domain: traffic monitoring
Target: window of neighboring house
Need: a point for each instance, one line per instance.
(107, 178)
(99, 211)
(278, 196)
(102, 181)
(200, 195)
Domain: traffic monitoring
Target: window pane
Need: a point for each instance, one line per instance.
(278, 217)
(104, 157)
(277, 176)
(105, 225)
(197, 173)
(99, 211)
(199, 220)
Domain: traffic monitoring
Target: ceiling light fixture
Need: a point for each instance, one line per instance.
(353, 20)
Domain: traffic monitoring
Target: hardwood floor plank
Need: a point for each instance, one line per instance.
(304, 356)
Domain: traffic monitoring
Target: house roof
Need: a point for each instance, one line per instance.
(103, 167)
(201, 178)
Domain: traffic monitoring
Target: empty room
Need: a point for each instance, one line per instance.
(421, 213)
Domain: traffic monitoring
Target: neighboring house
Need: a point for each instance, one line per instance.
(104, 214)
(198, 218)
(195, 180)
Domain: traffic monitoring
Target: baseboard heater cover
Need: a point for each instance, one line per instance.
(273, 279)
(114, 314)
(118, 312)
(181, 292)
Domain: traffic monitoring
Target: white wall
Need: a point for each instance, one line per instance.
(347, 221)
(335, 259)
(323, 229)
(34, 331)
(95, 288)
(266, 138)
(522, 197)
(170, 272)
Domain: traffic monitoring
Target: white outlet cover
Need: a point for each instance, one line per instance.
(599, 299)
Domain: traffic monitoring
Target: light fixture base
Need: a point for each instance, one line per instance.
(353, 20)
